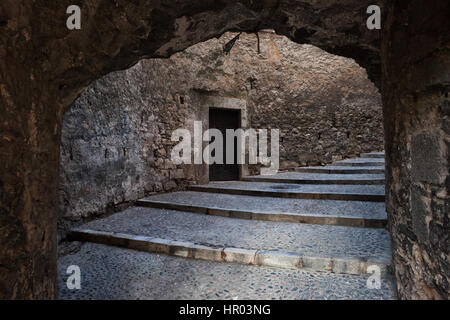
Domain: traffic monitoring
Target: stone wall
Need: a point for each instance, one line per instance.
(417, 107)
(116, 142)
(323, 104)
(116, 137)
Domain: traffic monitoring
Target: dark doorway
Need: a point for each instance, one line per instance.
(223, 119)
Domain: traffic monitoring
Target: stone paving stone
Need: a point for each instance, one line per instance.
(373, 155)
(361, 159)
(187, 249)
(116, 273)
(366, 162)
(342, 170)
(304, 239)
(319, 178)
(267, 186)
(369, 210)
(340, 220)
(301, 191)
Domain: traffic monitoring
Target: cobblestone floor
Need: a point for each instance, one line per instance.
(375, 155)
(293, 188)
(331, 167)
(375, 210)
(115, 273)
(375, 161)
(118, 273)
(320, 176)
(306, 239)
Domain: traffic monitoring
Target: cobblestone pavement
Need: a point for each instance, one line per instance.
(305, 239)
(374, 161)
(376, 155)
(294, 188)
(365, 170)
(319, 176)
(374, 210)
(115, 273)
(118, 273)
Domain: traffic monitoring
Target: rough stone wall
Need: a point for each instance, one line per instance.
(115, 145)
(116, 137)
(416, 85)
(323, 104)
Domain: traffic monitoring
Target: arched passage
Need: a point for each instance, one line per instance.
(116, 139)
(44, 66)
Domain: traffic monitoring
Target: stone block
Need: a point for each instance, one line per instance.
(207, 253)
(181, 249)
(158, 245)
(177, 174)
(278, 259)
(419, 212)
(242, 256)
(315, 263)
(219, 212)
(428, 164)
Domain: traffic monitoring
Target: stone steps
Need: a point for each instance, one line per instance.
(192, 250)
(116, 273)
(277, 244)
(311, 224)
(343, 213)
(373, 155)
(342, 170)
(374, 193)
(319, 178)
(360, 162)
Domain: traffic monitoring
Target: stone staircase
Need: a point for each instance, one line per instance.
(322, 223)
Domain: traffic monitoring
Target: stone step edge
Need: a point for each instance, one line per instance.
(344, 170)
(347, 221)
(228, 254)
(369, 159)
(373, 155)
(360, 159)
(368, 197)
(312, 181)
(358, 164)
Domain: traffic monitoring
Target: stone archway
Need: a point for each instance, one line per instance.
(44, 66)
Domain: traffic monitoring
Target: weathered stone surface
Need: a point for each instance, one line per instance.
(141, 275)
(341, 170)
(298, 191)
(327, 241)
(427, 158)
(324, 105)
(116, 138)
(416, 78)
(321, 260)
(116, 144)
(343, 213)
(319, 178)
(419, 213)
